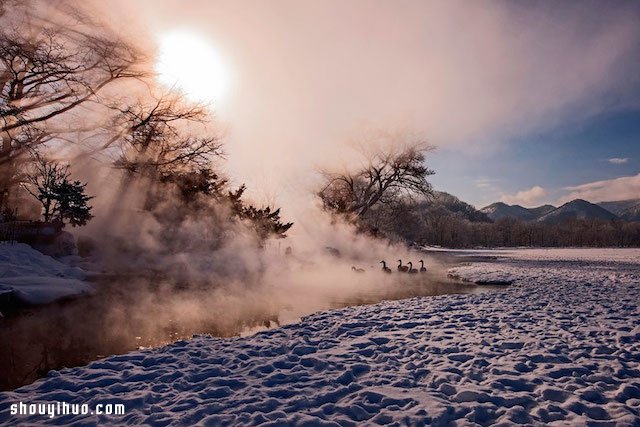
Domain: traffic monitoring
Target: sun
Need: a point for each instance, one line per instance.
(189, 62)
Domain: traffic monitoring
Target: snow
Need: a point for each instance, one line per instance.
(553, 266)
(35, 278)
(559, 346)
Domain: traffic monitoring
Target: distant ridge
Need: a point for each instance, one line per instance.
(626, 209)
(500, 210)
(450, 203)
(541, 210)
(632, 213)
(576, 209)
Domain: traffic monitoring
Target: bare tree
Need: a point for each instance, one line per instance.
(154, 137)
(42, 184)
(386, 176)
(49, 66)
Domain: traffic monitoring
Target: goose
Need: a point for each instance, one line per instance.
(411, 269)
(401, 267)
(422, 268)
(385, 268)
(357, 270)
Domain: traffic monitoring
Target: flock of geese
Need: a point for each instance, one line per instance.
(401, 268)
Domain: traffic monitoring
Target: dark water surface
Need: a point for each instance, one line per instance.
(111, 321)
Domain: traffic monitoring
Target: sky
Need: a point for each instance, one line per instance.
(526, 102)
(597, 159)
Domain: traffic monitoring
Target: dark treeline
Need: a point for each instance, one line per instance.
(436, 226)
(389, 197)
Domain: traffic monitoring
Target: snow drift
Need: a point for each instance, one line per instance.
(554, 348)
(33, 278)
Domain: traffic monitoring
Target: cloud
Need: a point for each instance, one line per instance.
(618, 160)
(465, 75)
(525, 198)
(623, 188)
(485, 182)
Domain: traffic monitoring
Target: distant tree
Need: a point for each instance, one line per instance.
(203, 189)
(203, 181)
(61, 198)
(43, 183)
(265, 221)
(387, 175)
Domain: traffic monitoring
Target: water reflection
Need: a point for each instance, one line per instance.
(116, 320)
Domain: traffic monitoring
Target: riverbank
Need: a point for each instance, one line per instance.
(28, 277)
(127, 313)
(560, 345)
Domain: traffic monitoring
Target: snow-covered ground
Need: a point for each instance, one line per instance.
(626, 255)
(559, 346)
(35, 278)
(552, 266)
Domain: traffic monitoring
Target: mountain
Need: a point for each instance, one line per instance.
(632, 213)
(541, 210)
(628, 210)
(625, 209)
(576, 209)
(501, 210)
(451, 203)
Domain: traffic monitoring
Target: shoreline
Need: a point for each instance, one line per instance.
(77, 331)
(557, 346)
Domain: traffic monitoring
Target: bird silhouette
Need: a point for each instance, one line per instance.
(401, 267)
(411, 269)
(385, 268)
(357, 270)
(422, 268)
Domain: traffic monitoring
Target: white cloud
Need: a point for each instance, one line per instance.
(618, 160)
(485, 182)
(623, 188)
(310, 75)
(525, 198)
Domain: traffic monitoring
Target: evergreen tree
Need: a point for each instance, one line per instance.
(61, 198)
(72, 203)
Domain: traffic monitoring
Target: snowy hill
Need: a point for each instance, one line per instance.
(454, 205)
(625, 209)
(632, 213)
(541, 210)
(501, 210)
(628, 210)
(576, 209)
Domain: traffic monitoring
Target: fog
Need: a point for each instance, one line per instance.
(313, 85)
(309, 76)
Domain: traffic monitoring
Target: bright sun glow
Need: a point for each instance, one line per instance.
(191, 64)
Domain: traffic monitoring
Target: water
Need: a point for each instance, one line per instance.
(116, 320)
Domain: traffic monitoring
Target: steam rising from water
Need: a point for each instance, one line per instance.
(206, 267)
(210, 274)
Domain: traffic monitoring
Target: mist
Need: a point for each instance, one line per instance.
(313, 84)
(309, 77)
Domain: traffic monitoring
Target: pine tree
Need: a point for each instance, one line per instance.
(72, 203)
(61, 198)
(265, 221)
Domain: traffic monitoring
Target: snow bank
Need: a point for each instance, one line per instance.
(34, 278)
(557, 347)
(627, 255)
(553, 266)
